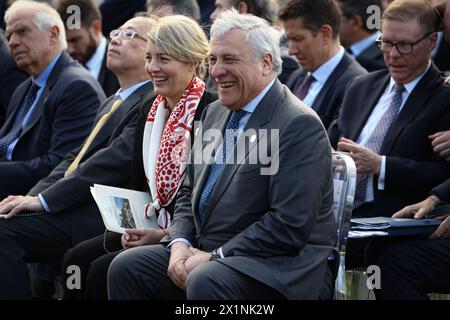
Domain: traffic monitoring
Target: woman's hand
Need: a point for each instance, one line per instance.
(141, 237)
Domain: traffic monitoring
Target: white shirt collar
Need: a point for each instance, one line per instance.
(251, 106)
(124, 94)
(322, 73)
(409, 87)
(363, 44)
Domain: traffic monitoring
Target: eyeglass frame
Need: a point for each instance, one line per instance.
(120, 33)
(380, 41)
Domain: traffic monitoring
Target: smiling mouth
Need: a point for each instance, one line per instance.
(226, 85)
(159, 79)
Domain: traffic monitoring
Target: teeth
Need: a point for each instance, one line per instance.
(157, 79)
(225, 85)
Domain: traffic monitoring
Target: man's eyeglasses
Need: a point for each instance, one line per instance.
(404, 48)
(126, 34)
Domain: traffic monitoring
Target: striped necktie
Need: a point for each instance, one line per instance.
(376, 140)
(92, 136)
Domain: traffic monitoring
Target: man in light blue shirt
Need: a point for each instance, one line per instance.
(312, 31)
(52, 111)
(359, 31)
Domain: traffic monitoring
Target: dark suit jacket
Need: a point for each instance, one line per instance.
(10, 77)
(371, 59)
(442, 191)
(278, 229)
(442, 57)
(328, 101)
(60, 121)
(412, 168)
(289, 66)
(107, 78)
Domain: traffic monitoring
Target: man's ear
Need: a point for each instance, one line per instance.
(327, 33)
(242, 7)
(267, 60)
(54, 35)
(96, 26)
(358, 21)
(433, 39)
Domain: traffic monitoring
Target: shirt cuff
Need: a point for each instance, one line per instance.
(220, 252)
(179, 240)
(382, 175)
(43, 203)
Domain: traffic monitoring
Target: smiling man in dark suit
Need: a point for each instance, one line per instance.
(63, 212)
(87, 44)
(51, 112)
(388, 116)
(312, 31)
(243, 230)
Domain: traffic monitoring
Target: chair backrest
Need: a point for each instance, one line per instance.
(344, 178)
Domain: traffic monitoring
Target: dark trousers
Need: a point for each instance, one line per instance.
(93, 258)
(141, 273)
(24, 239)
(411, 269)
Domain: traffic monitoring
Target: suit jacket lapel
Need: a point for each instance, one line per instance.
(414, 104)
(18, 97)
(261, 116)
(120, 113)
(337, 72)
(63, 60)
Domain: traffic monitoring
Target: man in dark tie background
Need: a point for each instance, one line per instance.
(312, 31)
(243, 230)
(51, 112)
(388, 116)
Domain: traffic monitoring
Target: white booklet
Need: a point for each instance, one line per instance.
(123, 208)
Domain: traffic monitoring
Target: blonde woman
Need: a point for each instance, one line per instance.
(176, 52)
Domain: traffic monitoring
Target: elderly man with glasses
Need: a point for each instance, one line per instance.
(59, 211)
(388, 116)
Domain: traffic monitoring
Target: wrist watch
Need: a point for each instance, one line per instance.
(214, 255)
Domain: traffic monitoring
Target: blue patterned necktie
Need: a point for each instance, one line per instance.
(217, 167)
(377, 138)
(18, 124)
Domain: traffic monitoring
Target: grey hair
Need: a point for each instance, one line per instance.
(262, 38)
(44, 17)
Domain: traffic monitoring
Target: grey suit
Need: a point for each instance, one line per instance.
(275, 230)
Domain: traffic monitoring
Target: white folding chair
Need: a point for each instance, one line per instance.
(344, 179)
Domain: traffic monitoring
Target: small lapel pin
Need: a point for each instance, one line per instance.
(253, 138)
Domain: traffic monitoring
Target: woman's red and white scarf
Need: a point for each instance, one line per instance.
(165, 148)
